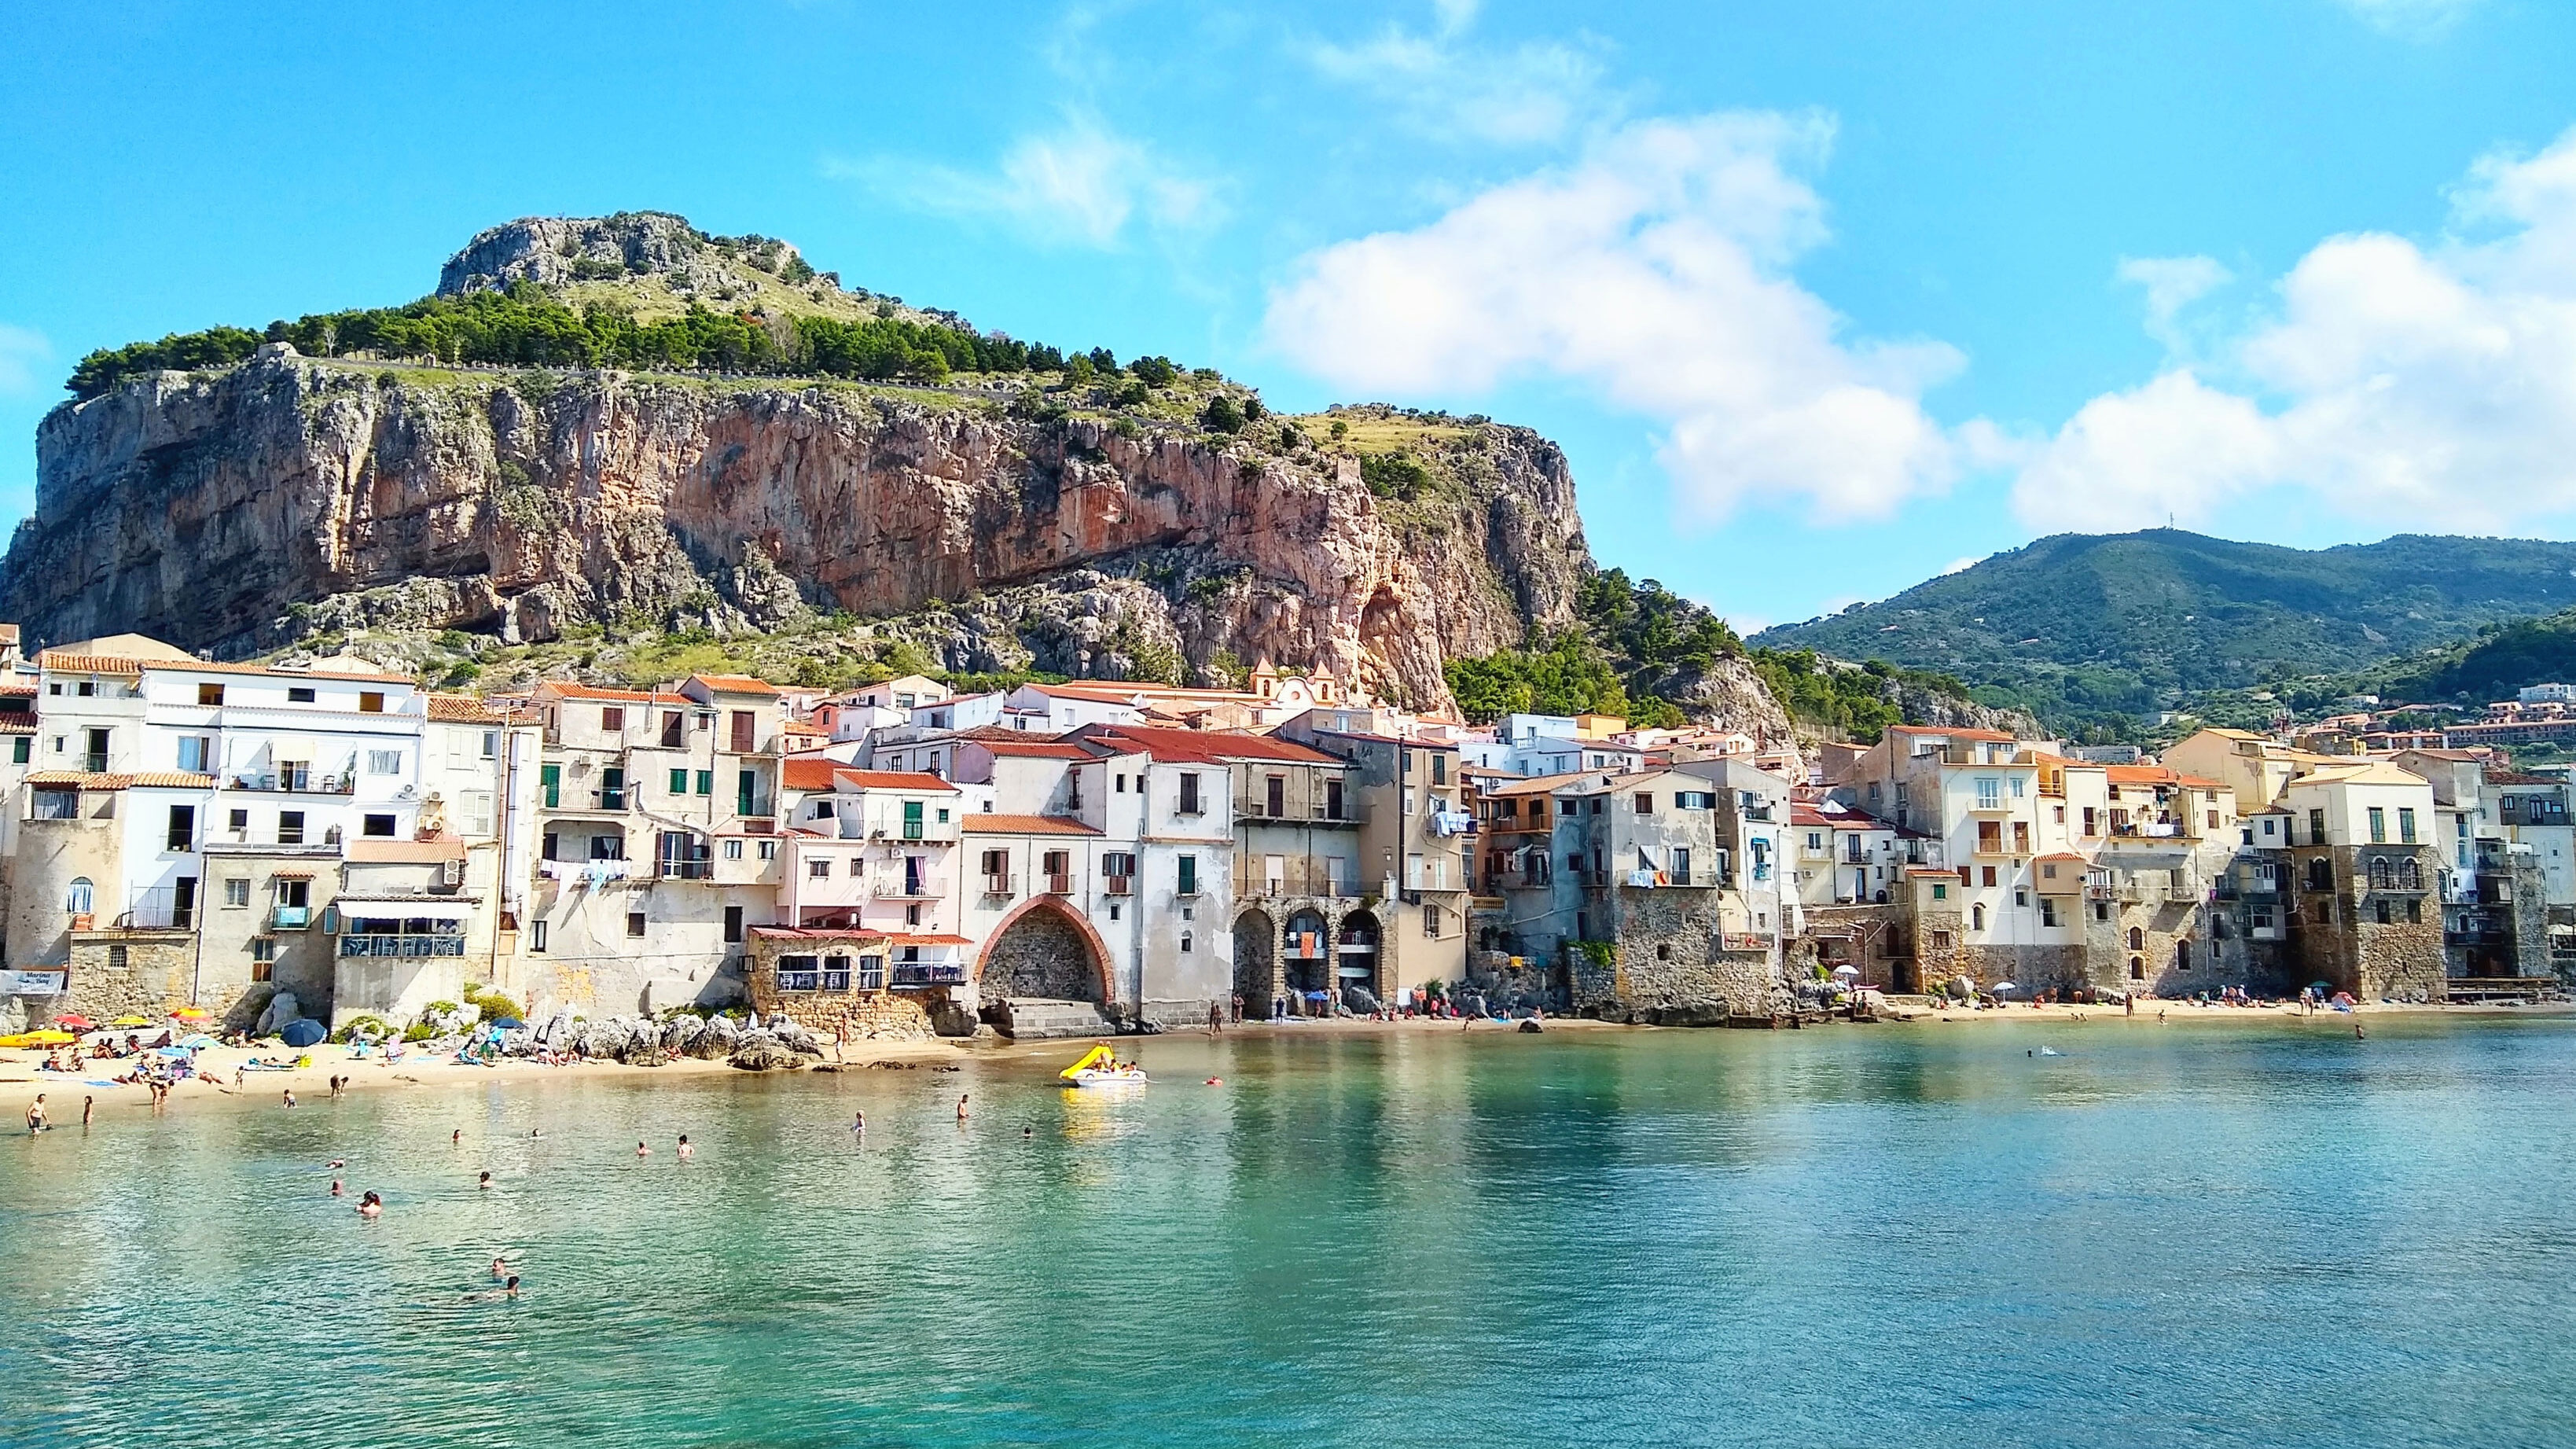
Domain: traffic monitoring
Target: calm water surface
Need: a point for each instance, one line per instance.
(2198, 1235)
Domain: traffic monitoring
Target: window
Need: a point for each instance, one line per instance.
(299, 694)
(670, 729)
(1189, 873)
(2021, 898)
(1990, 793)
(1189, 793)
(1439, 769)
(2382, 911)
(1122, 784)
(1989, 877)
(1681, 872)
(57, 804)
(550, 786)
(733, 850)
(1977, 917)
(192, 754)
(769, 850)
(679, 778)
(1274, 796)
(2316, 827)
(380, 827)
(1940, 891)
(912, 915)
(608, 847)
(612, 788)
(1333, 799)
(746, 792)
(491, 744)
(741, 726)
(2137, 938)
(384, 762)
(537, 934)
(371, 701)
(2378, 826)
(732, 917)
(475, 807)
(293, 892)
(237, 891)
(290, 827)
(77, 896)
(86, 688)
(1185, 943)
(706, 782)
(634, 923)
(1645, 802)
(612, 719)
(183, 827)
(2137, 968)
(819, 868)
(210, 693)
(2406, 825)
(2048, 910)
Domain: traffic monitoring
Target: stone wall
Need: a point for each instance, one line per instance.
(1671, 968)
(132, 973)
(866, 1015)
(1041, 955)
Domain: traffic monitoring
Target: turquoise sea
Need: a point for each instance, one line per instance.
(2200, 1234)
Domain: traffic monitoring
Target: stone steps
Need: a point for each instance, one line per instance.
(1030, 1018)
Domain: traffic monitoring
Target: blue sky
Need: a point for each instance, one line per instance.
(1820, 298)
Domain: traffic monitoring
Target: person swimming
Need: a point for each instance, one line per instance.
(643, 1151)
(371, 1206)
(456, 1138)
(336, 1189)
(500, 1268)
(686, 1151)
(484, 1183)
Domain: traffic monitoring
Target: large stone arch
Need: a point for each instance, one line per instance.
(1044, 950)
(1360, 928)
(1256, 950)
(1309, 931)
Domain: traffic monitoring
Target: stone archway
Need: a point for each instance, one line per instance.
(1256, 949)
(1357, 953)
(1043, 951)
(1309, 963)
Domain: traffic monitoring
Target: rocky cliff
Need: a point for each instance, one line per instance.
(236, 508)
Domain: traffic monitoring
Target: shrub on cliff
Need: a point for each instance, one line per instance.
(1222, 415)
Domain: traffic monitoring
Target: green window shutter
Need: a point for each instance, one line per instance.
(550, 783)
(679, 782)
(706, 782)
(746, 791)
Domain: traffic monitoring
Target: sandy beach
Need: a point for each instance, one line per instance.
(20, 1068)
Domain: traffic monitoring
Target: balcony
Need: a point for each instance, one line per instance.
(929, 973)
(918, 888)
(296, 782)
(998, 885)
(673, 868)
(1059, 884)
(1118, 885)
(290, 918)
(405, 946)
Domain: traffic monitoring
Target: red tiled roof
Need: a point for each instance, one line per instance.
(88, 663)
(809, 773)
(161, 779)
(1208, 747)
(17, 722)
(734, 684)
(891, 780)
(989, 823)
(208, 666)
(460, 709)
(2139, 775)
(1028, 749)
(569, 690)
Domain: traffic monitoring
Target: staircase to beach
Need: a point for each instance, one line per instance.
(1031, 1018)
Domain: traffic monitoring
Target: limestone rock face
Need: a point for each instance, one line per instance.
(237, 510)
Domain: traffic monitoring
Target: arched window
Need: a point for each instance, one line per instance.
(1185, 943)
(2182, 955)
(2137, 968)
(77, 899)
(2411, 874)
(1977, 918)
(2137, 939)
(2380, 878)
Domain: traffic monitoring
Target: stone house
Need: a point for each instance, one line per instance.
(1413, 839)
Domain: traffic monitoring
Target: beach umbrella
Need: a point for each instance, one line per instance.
(74, 1021)
(200, 1042)
(190, 1013)
(1846, 969)
(2001, 987)
(303, 1032)
(130, 1021)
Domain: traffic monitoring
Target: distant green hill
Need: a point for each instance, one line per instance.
(2099, 630)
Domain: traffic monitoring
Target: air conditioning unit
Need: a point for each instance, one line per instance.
(452, 872)
(406, 792)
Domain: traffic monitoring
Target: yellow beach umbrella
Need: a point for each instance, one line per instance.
(131, 1021)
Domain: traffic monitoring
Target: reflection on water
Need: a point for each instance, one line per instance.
(2201, 1235)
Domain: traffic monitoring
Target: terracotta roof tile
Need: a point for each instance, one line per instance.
(735, 684)
(460, 709)
(1209, 747)
(989, 823)
(88, 663)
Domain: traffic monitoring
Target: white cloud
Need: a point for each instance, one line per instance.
(22, 351)
(1655, 269)
(2171, 284)
(1081, 184)
(1962, 565)
(1443, 84)
(2412, 19)
(2415, 385)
